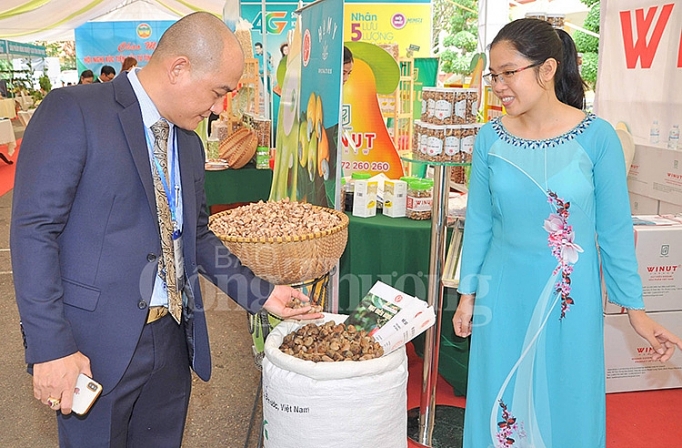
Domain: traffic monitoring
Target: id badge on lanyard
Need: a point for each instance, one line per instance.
(179, 258)
(177, 245)
(177, 242)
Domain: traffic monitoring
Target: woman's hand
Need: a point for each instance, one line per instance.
(465, 312)
(662, 341)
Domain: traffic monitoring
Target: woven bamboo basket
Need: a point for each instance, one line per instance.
(239, 147)
(290, 259)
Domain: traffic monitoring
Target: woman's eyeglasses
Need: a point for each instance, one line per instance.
(505, 76)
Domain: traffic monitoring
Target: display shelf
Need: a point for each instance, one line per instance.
(398, 108)
(435, 290)
(414, 159)
(246, 99)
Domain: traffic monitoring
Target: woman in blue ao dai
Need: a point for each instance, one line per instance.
(548, 205)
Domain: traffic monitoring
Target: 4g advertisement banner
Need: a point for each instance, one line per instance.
(277, 21)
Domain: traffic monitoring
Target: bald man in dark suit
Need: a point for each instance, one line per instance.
(102, 288)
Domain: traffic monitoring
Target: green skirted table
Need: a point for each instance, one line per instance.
(393, 250)
(396, 251)
(229, 186)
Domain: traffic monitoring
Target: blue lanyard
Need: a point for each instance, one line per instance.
(169, 189)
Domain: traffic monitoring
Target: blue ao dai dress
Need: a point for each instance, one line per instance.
(540, 215)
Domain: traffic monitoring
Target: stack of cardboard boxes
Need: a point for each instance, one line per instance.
(628, 357)
(655, 181)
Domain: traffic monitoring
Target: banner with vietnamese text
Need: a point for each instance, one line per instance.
(109, 43)
(405, 25)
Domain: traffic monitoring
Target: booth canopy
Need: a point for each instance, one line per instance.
(52, 20)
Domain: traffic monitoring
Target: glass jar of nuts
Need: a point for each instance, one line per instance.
(419, 200)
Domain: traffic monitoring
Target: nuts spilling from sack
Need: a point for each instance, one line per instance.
(296, 303)
(331, 342)
(274, 219)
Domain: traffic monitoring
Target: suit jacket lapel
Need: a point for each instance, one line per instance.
(133, 128)
(185, 156)
(131, 121)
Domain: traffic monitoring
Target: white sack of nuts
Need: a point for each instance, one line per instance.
(369, 397)
(275, 219)
(324, 370)
(331, 342)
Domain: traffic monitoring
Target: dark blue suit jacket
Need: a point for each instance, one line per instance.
(85, 239)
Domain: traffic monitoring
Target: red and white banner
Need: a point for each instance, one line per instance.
(640, 65)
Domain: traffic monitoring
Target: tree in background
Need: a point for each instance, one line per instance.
(459, 18)
(589, 45)
(64, 50)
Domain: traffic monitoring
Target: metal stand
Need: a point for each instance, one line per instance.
(427, 408)
(447, 433)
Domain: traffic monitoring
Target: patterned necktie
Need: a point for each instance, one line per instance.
(160, 130)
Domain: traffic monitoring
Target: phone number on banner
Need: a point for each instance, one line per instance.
(366, 166)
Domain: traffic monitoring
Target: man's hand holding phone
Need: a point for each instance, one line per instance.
(54, 382)
(84, 396)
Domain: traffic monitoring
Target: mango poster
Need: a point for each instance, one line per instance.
(377, 34)
(365, 141)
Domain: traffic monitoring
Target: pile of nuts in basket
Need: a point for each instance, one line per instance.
(331, 342)
(274, 219)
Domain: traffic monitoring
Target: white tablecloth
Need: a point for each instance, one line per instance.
(25, 116)
(7, 108)
(7, 136)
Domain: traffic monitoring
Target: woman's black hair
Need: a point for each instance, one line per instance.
(85, 74)
(538, 41)
(347, 55)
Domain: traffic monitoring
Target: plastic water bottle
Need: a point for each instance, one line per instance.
(674, 137)
(654, 133)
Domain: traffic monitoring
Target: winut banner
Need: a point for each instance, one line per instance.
(640, 65)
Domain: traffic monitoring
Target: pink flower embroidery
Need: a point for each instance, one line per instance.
(561, 239)
(554, 224)
(569, 251)
(507, 429)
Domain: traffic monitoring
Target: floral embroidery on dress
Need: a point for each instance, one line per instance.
(540, 144)
(507, 428)
(561, 239)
